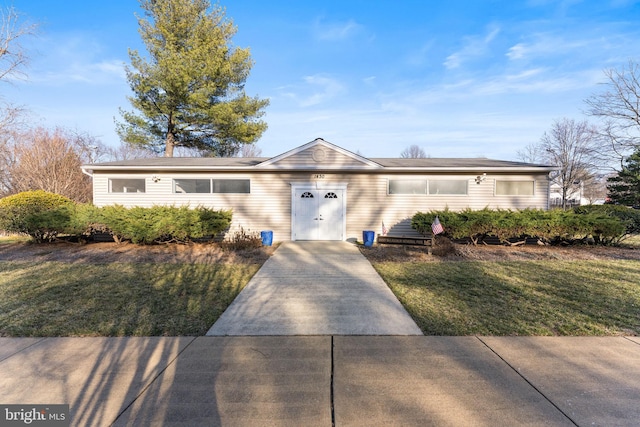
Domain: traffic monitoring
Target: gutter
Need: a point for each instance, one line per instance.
(316, 169)
(88, 172)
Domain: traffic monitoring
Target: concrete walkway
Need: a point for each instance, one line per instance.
(325, 381)
(316, 288)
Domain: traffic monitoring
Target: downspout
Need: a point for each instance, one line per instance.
(548, 191)
(89, 173)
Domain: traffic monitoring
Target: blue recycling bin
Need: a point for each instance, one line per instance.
(368, 237)
(267, 237)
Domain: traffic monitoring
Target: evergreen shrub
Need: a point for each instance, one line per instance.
(40, 214)
(628, 216)
(161, 223)
(509, 226)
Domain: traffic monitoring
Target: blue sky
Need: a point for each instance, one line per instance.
(458, 78)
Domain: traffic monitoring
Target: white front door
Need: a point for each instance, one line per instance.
(318, 214)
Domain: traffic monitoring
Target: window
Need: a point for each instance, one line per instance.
(514, 188)
(331, 195)
(121, 185)
(448, 186)
(307, 195)
(415, 186)
(192, 186)
(423, 186)
(231, 186)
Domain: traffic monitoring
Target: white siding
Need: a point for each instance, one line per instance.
(268, 206)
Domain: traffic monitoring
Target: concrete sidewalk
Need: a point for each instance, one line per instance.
(320, 380)
(316, 288)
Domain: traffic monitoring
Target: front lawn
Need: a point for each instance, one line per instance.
(538, 297)
(116, 299)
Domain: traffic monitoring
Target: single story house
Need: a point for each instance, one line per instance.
(320, 191)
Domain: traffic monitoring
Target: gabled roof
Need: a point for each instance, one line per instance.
(317, 147)
(317, 155)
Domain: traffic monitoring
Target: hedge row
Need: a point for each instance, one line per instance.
(554, 226)
(44, 216)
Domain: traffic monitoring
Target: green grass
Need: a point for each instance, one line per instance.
(74, 299)
(519, 297)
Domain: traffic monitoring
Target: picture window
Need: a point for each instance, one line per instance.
(514, 188)
(127, 185)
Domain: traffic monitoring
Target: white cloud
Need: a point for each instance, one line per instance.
(547, 45)
(312, 91)
(517, 51)
(99, 73)
(113, 67)
(72, 58)
(474, 46)
(335, 31)
(566, 47)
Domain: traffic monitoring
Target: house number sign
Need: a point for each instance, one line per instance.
(318, 176)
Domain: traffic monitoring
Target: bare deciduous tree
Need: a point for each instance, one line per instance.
(531, 153)
(619, 108)
(413, 152)
(572, 147)
(124, 152)
(12, 56)
(50, 160)
(250, 150)
(11, 116)
(7, 161)
(13, 60)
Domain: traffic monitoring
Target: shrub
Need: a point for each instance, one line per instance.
(44, 216)
(161, 223)
(243, 240)
(40, 214)
(506, 225)
(85, 221)
(629, 217)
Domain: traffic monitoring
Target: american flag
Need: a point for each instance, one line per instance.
(436, 227)
(384, 229)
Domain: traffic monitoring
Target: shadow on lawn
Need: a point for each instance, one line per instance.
(61, 299)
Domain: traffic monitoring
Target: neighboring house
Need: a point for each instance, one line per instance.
(320, 191)
(574, 195)
(580, 193)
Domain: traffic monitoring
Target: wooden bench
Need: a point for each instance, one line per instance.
(408, 240)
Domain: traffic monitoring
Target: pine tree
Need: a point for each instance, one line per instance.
(189, 92)
(624, 189)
